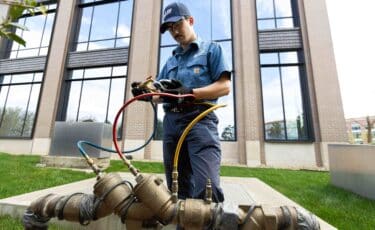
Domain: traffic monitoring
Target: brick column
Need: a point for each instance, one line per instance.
(327, 105)
(248, 100)
(143, 60)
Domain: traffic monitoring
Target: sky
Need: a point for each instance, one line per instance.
(352, 29)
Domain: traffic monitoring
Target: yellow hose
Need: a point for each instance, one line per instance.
(189, 127)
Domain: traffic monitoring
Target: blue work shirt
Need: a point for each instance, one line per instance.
(200, 65)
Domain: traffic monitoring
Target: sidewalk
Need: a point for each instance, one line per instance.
(236, 190)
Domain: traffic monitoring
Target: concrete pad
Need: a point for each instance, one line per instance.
(352, 168)
(241, 191)
(77, 162)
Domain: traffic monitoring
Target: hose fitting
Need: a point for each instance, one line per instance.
(174, 186)
(208, 195)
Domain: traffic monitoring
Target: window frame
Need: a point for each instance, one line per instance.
(62, 113)
(305, 97)
(76, 29)
(31, 83)
(69, 79)
(7, 44)
(294, 17)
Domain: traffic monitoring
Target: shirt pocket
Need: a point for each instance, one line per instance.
(171, 70)
(198, 68)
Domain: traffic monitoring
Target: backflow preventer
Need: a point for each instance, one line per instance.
(150, 204)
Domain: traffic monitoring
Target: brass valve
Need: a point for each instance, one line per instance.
(148, 84)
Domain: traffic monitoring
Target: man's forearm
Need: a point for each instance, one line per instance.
(215, 90)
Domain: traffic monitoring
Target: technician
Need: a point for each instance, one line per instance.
(196, 67)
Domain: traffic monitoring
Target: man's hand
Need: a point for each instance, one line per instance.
(138, 90)
(173, 87)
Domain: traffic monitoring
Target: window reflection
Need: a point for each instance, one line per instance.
(293, 103)
(288, 58)
(272, 97)
(19, 95)
(221, 28)
(104, 29)
(283, 8)
(94, 99)
(268, 58)
(95, 94)
(275, 14)
(37, 36)
(284, 114)
(116, 98)
(104, 25)
(73, 104)
(212, 22)
(265, 9)
(98, 72)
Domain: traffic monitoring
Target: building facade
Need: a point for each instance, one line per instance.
(283, 111)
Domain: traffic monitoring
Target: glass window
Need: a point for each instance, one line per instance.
(212, 21)
(356, 127)
(285, 117)
(274, 14)
(19, 95)
(37, 36)
(272, 103)
(95, 94)
(104, 25)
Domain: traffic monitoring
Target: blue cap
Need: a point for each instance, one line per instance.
(173, 13)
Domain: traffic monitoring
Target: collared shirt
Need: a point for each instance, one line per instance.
(200, 65)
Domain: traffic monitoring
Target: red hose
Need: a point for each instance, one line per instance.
(114, 128)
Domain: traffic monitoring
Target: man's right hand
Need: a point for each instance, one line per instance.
(137, 90)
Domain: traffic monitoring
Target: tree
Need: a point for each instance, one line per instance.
(362, 130)
(8, 26)
(16, 122)
(300, 126)
(370, 124)
(276, 130)
(228, 133)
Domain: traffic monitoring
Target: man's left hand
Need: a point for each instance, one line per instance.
(173, 87)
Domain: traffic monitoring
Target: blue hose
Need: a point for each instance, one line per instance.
(84, 154)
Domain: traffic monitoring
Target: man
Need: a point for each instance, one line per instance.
(196, 67)
(203, 72)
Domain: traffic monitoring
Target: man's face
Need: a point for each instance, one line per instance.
(182, 31)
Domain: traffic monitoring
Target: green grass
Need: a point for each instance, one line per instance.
(19, 175)
(9, 223)
(311, 189)
(6, 222)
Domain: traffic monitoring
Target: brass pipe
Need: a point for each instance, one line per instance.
(139, 211)
(282, 217)
(194, 214)
(112, 190)
(151, 191)
(150, 201)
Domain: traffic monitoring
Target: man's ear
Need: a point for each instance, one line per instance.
(191, 20)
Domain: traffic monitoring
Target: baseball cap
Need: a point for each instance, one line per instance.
(173, 13)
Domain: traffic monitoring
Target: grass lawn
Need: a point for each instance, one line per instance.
(311, 189)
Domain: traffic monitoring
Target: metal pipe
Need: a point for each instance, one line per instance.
(150, 201)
